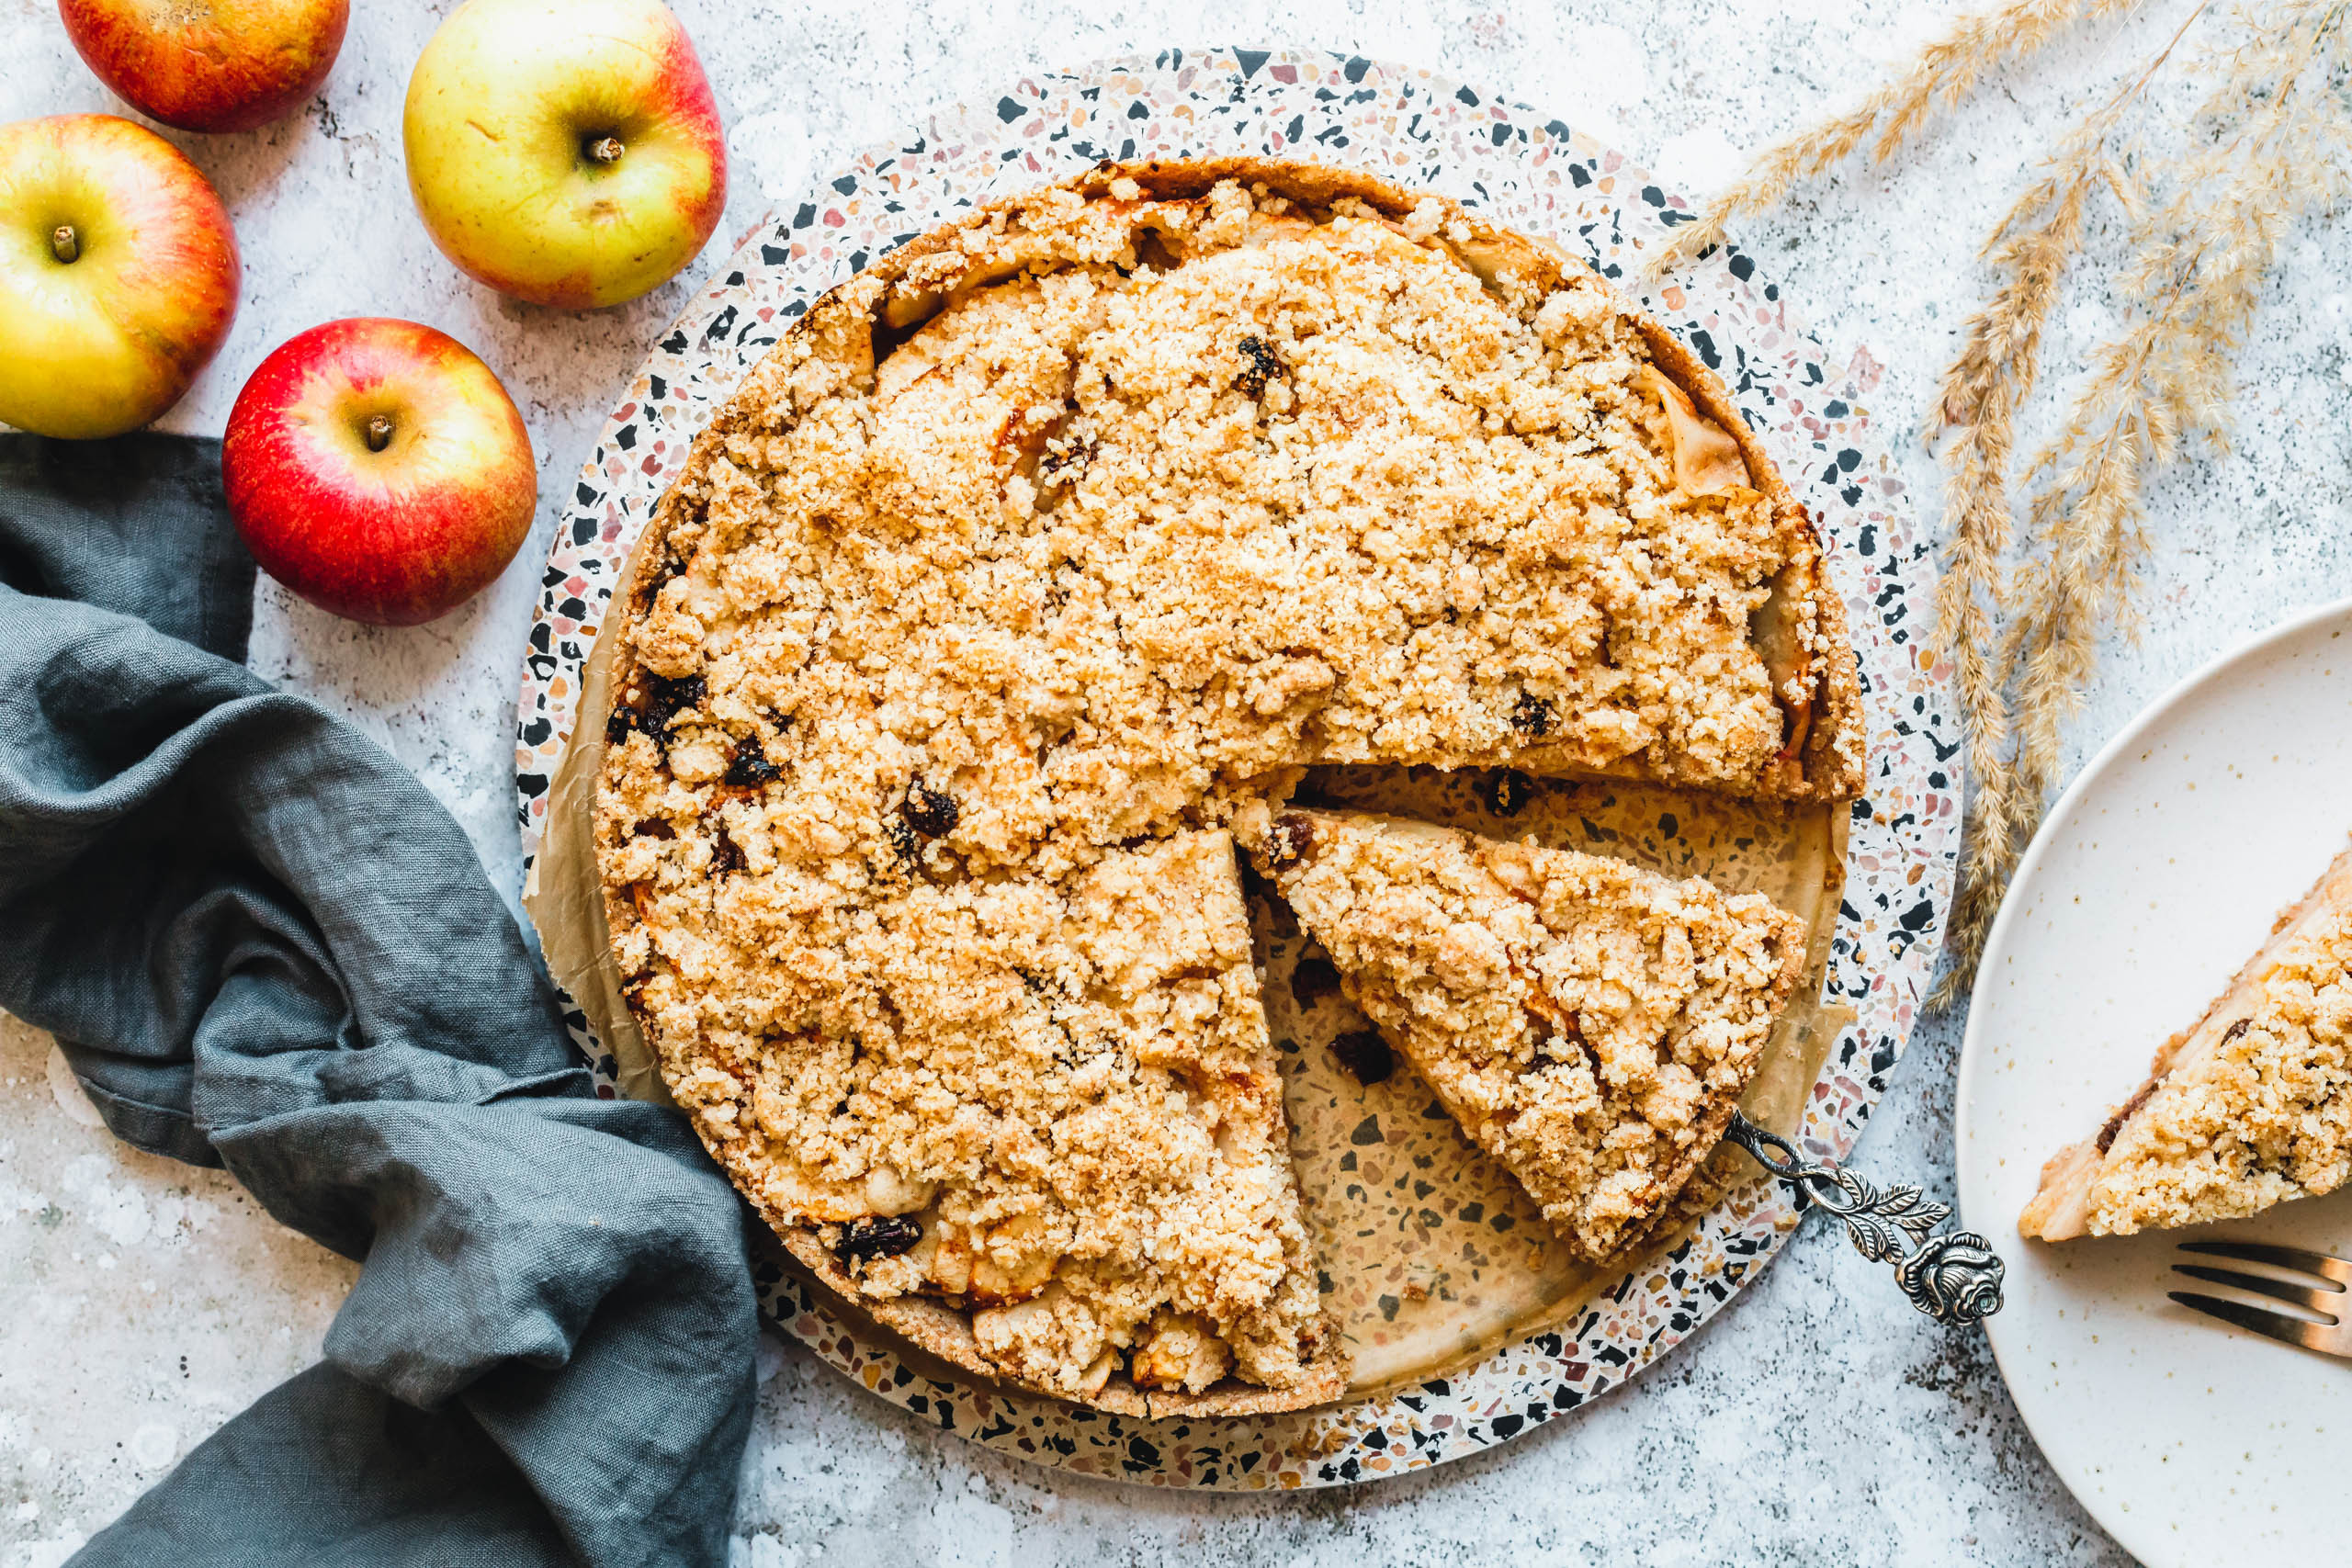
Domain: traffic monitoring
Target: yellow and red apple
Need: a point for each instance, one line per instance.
(378, 470)
(565, 151)
(209, 64)
(117, 274)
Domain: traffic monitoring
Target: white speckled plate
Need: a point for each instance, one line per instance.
(2160, 871)
(1533, 172)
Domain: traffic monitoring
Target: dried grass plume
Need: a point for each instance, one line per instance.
(2021, 613)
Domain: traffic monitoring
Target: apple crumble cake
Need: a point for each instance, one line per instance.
(1591, 1024)
(2250, 1107)
(1029, 560)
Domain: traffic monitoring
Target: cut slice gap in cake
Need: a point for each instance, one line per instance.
(1591, 1024)
(2249, 1107)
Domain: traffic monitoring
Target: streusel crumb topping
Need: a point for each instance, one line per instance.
(1589, 1022)
(1004, 586)
(2264, 1116)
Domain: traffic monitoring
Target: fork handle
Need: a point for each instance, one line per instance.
(1952, 1276)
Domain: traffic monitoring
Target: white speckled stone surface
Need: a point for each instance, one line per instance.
(1816, 1419)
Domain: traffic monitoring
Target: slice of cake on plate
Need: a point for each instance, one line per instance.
(1591, 1024)
(2250, 1107)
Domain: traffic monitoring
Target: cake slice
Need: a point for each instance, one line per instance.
(2250, 1107)
(1590, 1024)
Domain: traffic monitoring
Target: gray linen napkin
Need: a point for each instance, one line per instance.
(263, 944)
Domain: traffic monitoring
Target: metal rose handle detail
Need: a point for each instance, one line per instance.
(1952, 1276)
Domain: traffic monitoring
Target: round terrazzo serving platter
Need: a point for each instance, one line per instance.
(1534, 174)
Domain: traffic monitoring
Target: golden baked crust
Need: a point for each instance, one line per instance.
(1590, 1024)
(943, 1331)
(1026, 560)
(2249, 1107)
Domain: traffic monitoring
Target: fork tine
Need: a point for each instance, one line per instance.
(2328, 1303)
(2327, 1267)
(2261, 1320)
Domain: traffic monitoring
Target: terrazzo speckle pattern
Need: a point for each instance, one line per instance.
(1817, 1418)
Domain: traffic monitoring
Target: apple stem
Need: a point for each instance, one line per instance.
(605, 150)
(380, 432)
(64, 244)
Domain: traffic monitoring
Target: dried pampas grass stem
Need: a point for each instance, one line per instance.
(2274, 149)
(2000, 356)
(2022, 618)
(1944, 73)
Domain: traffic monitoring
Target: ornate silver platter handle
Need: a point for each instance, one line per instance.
(1952, 1276)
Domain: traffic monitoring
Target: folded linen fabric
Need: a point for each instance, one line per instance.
(261, 944)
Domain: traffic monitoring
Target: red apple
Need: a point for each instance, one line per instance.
(209, 64)
(565, 151)
(117, 274)
(378, 470)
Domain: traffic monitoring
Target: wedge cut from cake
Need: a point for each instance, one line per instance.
(1590, 1024)
(2248, 1108)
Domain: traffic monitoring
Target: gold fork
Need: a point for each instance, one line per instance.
(2328, 1299)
